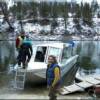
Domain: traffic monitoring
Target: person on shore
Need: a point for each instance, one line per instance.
(53, 76)
(25, 53)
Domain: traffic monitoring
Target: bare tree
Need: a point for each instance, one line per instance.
(3, 7)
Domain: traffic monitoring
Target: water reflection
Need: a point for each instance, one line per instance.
(7, 55)
(84, 72)
(89, 55)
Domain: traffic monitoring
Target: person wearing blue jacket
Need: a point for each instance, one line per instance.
(53, 76)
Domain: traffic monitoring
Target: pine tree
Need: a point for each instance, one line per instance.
(73, 7)
(65, 16)
(87, 14)
(54, 15)
(34, 9)
(94, 7)
(44, 9)
(81, 9)
(78, 11)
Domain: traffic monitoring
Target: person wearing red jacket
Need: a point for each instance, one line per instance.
(19, 41)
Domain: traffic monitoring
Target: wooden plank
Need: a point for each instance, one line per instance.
(80, 86)
(64, 91)
(88, 78)
(73, 88)
(82, 78)
(93, 81)
(84, 84)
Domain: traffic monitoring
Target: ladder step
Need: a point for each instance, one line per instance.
(20, 75)
(20, 78)
(21, 70)
(20, 82)
(19, 87)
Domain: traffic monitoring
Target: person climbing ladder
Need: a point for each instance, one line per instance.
(25, 53)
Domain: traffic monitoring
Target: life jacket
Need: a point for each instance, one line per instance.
(50, 74)
(27, 41)
(19, 41)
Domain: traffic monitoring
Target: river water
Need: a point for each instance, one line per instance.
(88, 63)
(90, 57)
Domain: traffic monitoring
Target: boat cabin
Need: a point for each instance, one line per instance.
(62, 51)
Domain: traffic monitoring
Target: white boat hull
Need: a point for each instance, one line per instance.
(36, 70)
(40, 75)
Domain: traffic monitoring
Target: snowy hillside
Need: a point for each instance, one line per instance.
(53, 20)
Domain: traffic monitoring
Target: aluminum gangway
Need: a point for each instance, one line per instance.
(81, 86)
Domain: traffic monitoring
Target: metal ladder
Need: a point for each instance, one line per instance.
(20, 78)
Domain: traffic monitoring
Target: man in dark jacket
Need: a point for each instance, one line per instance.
(25, 53)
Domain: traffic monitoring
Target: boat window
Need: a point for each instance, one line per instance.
(40, 54)
(69, 52)
(66, 53)
(55, 51)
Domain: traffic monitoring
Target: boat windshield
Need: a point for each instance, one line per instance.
(55, 51)
(66, 54)
(40, 54)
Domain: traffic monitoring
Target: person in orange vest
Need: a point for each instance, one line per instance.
(53, 76)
